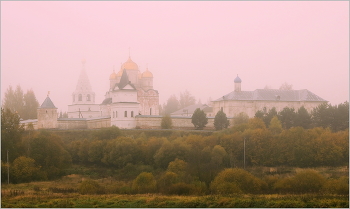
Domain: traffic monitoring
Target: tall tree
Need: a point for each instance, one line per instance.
(172, 105)
(303, 118)
(11, 135)
(199, 119)
(186, 99)
(220, 121)
(287, 117)
(30, 106)
(286, 86)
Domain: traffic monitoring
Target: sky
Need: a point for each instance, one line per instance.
(199, 46)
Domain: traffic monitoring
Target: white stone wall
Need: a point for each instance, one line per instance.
(118, 114)
(47, 118)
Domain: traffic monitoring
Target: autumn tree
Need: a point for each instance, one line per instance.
(186, 99)
(25, 170)
(166, 122)
(199, 119)
(241, 118)
(220, 120)
(275, 126)
(30, 105)
(11, 135)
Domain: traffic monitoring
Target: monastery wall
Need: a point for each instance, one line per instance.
(98, 123)
(154, 122)
(66, 123)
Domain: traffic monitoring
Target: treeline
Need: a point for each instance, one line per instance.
(335, 117)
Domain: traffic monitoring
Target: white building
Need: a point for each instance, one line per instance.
(250, 102)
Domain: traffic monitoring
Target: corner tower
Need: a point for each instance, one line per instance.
(47, 114)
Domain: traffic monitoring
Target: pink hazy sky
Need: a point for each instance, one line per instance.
(198, 46)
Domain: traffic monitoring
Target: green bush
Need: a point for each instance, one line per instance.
(166, 122)
(236, 180)
(90, 187)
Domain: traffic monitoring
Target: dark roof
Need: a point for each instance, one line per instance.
(237, 80)
(107, 101)
(273, 95)
(48, 103)
(124, 80)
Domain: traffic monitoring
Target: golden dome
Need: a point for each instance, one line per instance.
(113, 76)
(120, 73)
(147, 74)
(130, 65)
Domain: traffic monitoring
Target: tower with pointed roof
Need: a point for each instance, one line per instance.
(83, 98)
(238, 82)
(47, 114)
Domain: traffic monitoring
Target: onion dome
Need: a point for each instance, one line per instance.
(120, 73)
(130, 65)
(147, 74)
(237, 80)
(113, 76)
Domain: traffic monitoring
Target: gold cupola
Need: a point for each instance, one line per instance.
(147, 74)
(129, 65)
(113, 76)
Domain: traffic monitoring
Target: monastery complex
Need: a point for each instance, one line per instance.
(132, 102)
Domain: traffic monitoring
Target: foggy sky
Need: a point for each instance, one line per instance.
(198, 46)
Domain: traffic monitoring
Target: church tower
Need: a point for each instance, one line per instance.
(238, 82)
(47, 115)
(83, 98)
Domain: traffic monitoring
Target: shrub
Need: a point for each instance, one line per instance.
(90, 187)
(236, 181)
(144, 183)
(307, 181)
(181, 189)
(338, 186)
(166, 122)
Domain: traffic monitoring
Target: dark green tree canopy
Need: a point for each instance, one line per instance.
(199, 119)
(220, 121)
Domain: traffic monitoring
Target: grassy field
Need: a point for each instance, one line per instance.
(62, 194)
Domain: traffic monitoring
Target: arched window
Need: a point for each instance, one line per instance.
(113, 114)
(116, 114)
(125, 114)
(88, 97)
(150, 111)
(132, 113)
(80, 97)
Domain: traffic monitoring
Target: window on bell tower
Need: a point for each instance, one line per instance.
(88, 97)
(80, 97)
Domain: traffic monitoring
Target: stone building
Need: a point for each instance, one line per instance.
(250, 102)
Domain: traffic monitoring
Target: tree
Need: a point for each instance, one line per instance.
(302, 119)
(220, 120)
(144, 183)
(199, 119)
(24, 104)
(186, 99)
(30, 106)
(25, 170)
(166, 122)
(286, 86)
(241, 118)
(287, 117)
(275, 126)
(172, 105)
(11, 135)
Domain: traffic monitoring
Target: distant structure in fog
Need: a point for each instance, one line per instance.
(250, 102)
(131, 102)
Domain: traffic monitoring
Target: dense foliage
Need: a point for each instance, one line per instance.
(220, 121)
(199, 119)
